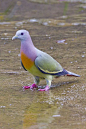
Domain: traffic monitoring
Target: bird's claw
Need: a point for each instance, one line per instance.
(45, 89)
(35, 86)
(30, 87)
(26, 87)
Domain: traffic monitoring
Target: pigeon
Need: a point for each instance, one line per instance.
(40, 64)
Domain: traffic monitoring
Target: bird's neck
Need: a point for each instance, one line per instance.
(28, 49)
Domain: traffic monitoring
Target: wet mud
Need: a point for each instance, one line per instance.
(58, 28)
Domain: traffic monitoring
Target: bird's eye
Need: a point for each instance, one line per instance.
(22, 33)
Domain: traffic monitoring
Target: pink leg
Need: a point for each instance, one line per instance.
(31, 87)
(45, 89)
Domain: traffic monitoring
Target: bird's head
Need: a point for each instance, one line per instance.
(21, 34)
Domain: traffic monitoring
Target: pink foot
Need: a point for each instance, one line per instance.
(31, 87)
(45, 89)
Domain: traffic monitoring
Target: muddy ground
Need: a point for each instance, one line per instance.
(64, 106)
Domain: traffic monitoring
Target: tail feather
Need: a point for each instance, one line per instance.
(72, 74)
(67, 73)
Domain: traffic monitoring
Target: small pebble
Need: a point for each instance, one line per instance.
(61, 41)
(56, 115)
(83, 56)
(51, 47)
(9, 51)
(19, 55)
(3, 106)
(76, 61)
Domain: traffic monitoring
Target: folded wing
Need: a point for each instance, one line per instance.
(46, 64)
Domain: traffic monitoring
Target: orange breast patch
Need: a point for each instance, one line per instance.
(27, 62)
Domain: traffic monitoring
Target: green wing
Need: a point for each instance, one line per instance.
(46, 64)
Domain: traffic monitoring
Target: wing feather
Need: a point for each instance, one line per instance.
(46, 64)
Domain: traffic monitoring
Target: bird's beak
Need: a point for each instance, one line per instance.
(14, 37)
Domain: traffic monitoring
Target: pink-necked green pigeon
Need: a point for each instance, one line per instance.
(38, 63)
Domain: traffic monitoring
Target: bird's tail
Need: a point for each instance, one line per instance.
(66, 73)
(72, 74)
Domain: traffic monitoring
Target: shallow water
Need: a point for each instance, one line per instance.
(64, 105)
